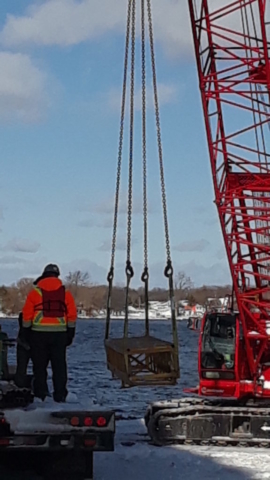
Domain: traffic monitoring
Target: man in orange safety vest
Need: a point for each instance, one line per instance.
(49, 320)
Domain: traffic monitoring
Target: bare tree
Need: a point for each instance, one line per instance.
(159, 294)
(4, 298)
(191, 299)
(11, 302)
(94, 297)
(97, 298)
(118, 299)
(24, 286)
(183, 285)
(77, 279)
(183, 282)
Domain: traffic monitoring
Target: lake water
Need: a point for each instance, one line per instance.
(88, 374)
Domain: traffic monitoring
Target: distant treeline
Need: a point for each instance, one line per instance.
(90, 298)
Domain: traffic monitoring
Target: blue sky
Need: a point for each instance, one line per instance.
(61, 67)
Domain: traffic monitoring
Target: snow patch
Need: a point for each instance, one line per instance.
(37, 417)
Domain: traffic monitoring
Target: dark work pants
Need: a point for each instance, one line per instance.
(23, 358)
(49, 347)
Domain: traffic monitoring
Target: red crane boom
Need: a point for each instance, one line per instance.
(234, 76)
(232, 45)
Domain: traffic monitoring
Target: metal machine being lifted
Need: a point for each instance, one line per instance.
(232, 44)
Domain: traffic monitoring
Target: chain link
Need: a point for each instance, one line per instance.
(118, 174)
(129, 269)
(131, 29)
(145, 274)
(169, 268)
(120, 150)
(151, 35)
(131, 143)
(144, 139)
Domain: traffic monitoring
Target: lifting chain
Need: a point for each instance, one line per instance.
(118, 176)
(131, 31)
(169, 268)
(151, 35)
(129, 269)
(145, 274)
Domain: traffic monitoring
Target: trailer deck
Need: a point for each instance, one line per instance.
(56, 439)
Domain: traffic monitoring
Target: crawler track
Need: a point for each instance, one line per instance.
(205, 422)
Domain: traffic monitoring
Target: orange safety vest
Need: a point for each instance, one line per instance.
(50, 312)
(49, 307)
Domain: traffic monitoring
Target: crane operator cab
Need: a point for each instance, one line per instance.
(218, 358)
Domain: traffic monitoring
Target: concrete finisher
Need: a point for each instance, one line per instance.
(49, 319)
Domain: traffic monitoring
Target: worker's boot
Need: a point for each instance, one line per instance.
(59, 399)
(60, 396)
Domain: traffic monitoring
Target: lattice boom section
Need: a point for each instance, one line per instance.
(249, 248)
(232, 45)
(261, 203)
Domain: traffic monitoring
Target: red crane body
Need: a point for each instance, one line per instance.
(232, 49)
(232, 54)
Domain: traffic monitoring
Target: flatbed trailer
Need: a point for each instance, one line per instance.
(55, 442)
(52, 439)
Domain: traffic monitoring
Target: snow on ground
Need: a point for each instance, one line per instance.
(37, 416)
(135, 459)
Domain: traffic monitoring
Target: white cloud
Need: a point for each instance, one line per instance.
(215, 274)
(192, 246)
(70, 22)
(201, 209)
(106, 222)
(14, 268)
(211, 221)
(167, 93)
(121, 244)
(221, 253)
(11, 260)
(106, 206)
(11, 274)
(106, 246)
(62, 22)
(21, 245)
(22, 89)
(87, 223)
